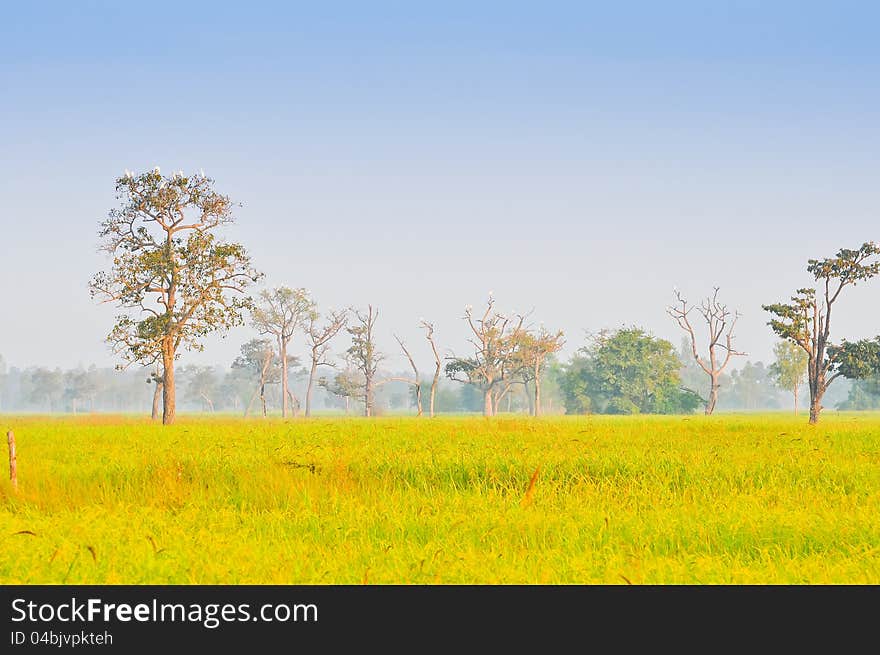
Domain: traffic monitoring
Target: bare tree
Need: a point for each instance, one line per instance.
(363, 353)
(164, 249)
(720, 323)
(491, 368)
(533, 351)
(429, 335)
(319, 337)
(279, 313)
(806, 320)
(414, 381)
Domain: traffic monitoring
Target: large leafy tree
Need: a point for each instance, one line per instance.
(176, 279)
(627, 372)
(806, 320)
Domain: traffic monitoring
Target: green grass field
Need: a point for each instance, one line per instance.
(726, 499)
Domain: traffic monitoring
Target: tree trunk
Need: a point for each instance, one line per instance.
(796, 399)
(418, 398)
(368, 397)
(487, 402)
(433, 392)
(168, 391)
(713, 394)
(815, 408)
(538, 410)
(310, 387)
(263, 398)
(282, 347)
(157, 395)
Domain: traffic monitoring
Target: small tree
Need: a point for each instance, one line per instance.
(720, 323)
(533, 350)
(438, 365)
(201, 386)
(790, 368)
(345, 385)
(319, 337)
(363, 353)
(258, 358)
(414, 381)
(165, 252)
(279, 313)
(806, 320)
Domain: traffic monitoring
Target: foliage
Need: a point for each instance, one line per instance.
(806, 320)
(177, 281)
(627, 372)
(790, 368)
(857, 360)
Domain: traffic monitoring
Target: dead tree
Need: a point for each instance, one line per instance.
(429, 335)
(720, 323)
(318, 337)
(415, 381)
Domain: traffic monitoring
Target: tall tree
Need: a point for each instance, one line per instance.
(806, 320)
(318, 337)
(492, 366)
(720, 322)
(364, 354)
(790, 368)
(438, 365)
(166, 252)
(280, 312)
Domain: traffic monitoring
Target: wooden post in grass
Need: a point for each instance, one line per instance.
(13, 471)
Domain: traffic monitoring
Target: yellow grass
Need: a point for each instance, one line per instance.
(724, 499)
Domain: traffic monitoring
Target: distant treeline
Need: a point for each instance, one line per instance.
(752, 387)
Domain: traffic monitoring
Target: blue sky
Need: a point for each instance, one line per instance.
(581, 159)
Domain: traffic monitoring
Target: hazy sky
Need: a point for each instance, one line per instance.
(581, 159)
